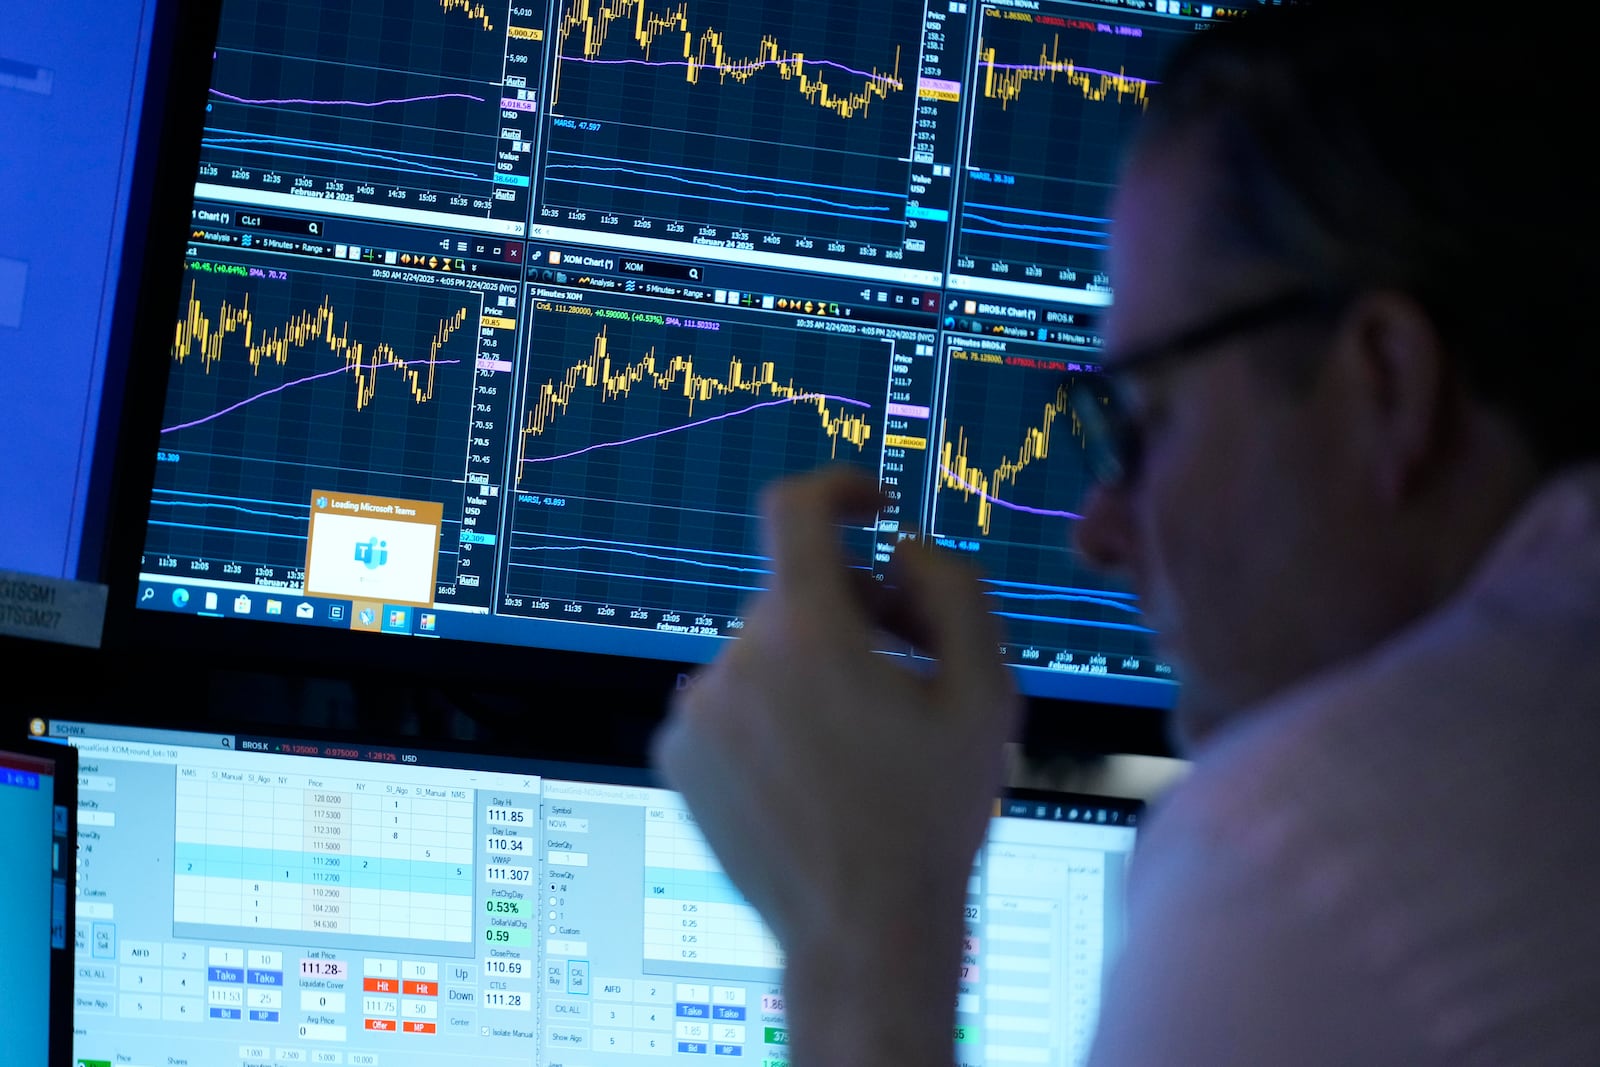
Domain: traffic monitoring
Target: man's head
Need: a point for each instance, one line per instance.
(1401, 193)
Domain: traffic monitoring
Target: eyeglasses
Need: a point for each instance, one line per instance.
(1112, 438)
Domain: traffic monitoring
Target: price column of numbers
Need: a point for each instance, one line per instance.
(508, 911)
(323, 856)
(692, 912)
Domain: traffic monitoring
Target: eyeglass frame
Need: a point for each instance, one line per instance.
(1112, 441)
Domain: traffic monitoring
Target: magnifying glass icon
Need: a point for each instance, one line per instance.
(149, 594)
(314, 229)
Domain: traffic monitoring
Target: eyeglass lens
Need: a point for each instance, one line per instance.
(1110, 438)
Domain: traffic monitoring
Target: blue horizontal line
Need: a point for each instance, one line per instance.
(733, 174)
(239, 499)
(637, 544)
(708, 185)
(724, 200)
(1075, 622)
(1030, 226)
(1046, 214)
(426, 168)
(227, 530)
(641, 555)
(1060, 588)
(639, 577)
(308, 142)
(1066, 597)
(216, 502)
(230, 507)
(1025, 237)
(333, 152)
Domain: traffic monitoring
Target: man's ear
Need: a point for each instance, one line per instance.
(1401, 382)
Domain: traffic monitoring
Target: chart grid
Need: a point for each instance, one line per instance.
(323, 856)
(692, 912)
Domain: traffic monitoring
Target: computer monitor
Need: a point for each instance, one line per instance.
(252, 900)
(485, 327)
(66, 217)
(38, 804)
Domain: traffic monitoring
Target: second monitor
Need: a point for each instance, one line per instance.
(251, 900)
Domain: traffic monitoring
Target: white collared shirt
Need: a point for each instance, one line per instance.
(1398, 862)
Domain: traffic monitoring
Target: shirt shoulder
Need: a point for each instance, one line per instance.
(1396, 863)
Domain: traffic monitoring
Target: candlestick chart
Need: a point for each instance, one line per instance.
(645, 440)
(350, 104)
(1053, 98)
(1010, 477)
(791, 121)
(283, 382)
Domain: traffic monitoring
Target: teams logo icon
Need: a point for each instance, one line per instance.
(372, 553)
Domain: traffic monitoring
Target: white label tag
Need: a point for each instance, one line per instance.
(52, 609)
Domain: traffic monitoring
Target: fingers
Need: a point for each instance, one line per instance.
(888, 610)
(942, 604)
(800, 518)
(932, 601)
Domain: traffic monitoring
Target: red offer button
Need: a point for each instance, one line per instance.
(380, 1024)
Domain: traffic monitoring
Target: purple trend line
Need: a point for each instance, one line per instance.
(1006, 503)
(896, 82)
(350, 103)
(1088, 70)
(701, 422)
(297, 381)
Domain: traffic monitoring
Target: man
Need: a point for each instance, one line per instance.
(1352, 472)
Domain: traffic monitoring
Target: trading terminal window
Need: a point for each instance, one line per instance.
(241, 903)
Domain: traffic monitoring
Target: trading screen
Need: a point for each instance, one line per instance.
(34, 909)
(497, 318)
(254, 900)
